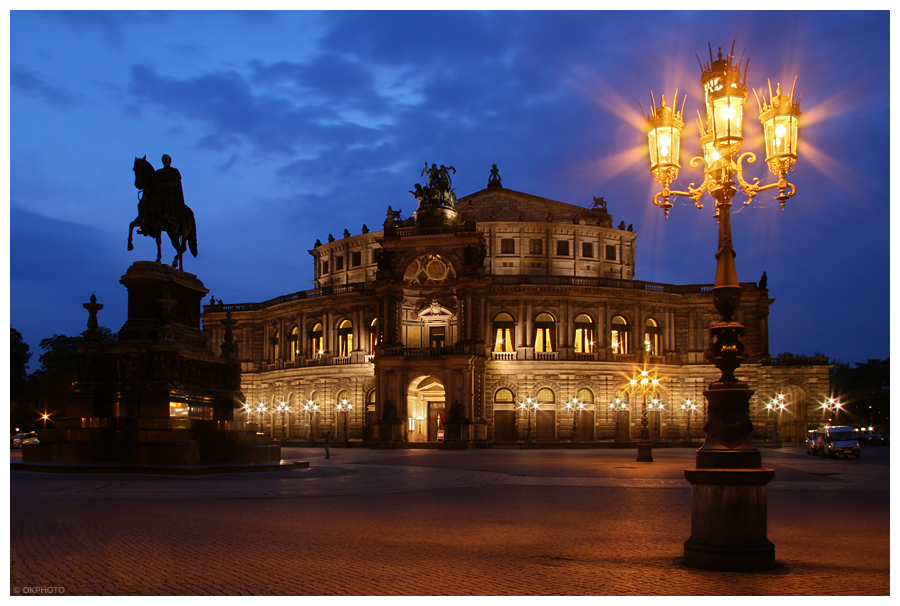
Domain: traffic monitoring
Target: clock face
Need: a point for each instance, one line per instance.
(429, 269)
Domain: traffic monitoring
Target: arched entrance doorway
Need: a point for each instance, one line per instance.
(426, 408)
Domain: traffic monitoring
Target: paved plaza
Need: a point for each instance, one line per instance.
(430, 522)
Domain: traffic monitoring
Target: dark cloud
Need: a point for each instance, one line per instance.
(36, 86)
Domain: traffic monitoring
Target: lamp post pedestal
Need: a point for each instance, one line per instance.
(645, 448)
(729, 484)
(728, 520)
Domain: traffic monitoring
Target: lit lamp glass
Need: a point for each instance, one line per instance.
(780, 117)
(663, 126)
(725, 93)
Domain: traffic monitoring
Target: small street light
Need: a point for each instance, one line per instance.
(689, 407)
(345, 407)
(310, 408)
(832, 405)
(576, 407)
(259, 414)
(282, 408)
(528, 405)
(777, 406)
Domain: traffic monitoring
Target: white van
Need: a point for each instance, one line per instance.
(839, 440)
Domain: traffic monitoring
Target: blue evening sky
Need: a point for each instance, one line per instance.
(288, 126)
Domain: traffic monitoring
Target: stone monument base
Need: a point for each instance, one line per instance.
(136, 441)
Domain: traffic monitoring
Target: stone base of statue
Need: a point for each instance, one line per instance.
(729, 493)
(157, 397)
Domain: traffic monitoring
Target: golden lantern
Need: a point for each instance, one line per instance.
(780, 117)
(663, 126)
(725, 92)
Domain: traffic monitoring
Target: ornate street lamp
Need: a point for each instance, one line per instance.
(644, 382)
(345, 407)
(728, 528)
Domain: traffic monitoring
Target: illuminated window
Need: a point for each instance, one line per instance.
(585, 396)
(652, 337)
(504, 396)
(504, 332)
(621, 340)
(316, 342)
(293, 346)
(544, 333)
(546, 399)
(275, 349)
(584, 334)
(507, 246)
(373, 335)
(436, 336)
(345, 338)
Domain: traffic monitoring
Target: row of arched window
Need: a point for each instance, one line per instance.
(544, 396)
(316, 341)
(504, 337)
(545, 334)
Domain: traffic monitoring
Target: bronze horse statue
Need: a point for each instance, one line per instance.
(157, 215)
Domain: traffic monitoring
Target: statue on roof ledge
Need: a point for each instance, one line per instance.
(439, 191)
(494, 179)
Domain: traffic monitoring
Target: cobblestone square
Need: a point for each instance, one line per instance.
(428, 522)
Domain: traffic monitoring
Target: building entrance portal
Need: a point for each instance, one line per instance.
(426, 407)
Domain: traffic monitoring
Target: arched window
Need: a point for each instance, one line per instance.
(544, 333)
(293, 347)
(504, 396)
(621, 339)
(345, 338)
(586, 397)
(652, 337)
(584, 334)
(504, 332)
(373, 336)
(343, 402)
(316, 342)
(275, 350)
(546, 399)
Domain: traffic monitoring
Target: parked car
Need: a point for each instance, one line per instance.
(811, 436)
(24, 438)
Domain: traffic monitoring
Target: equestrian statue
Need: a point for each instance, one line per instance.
(161, 208)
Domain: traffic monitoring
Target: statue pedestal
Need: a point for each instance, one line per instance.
(158, 396)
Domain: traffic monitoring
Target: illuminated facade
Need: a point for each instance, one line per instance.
(500, 317)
